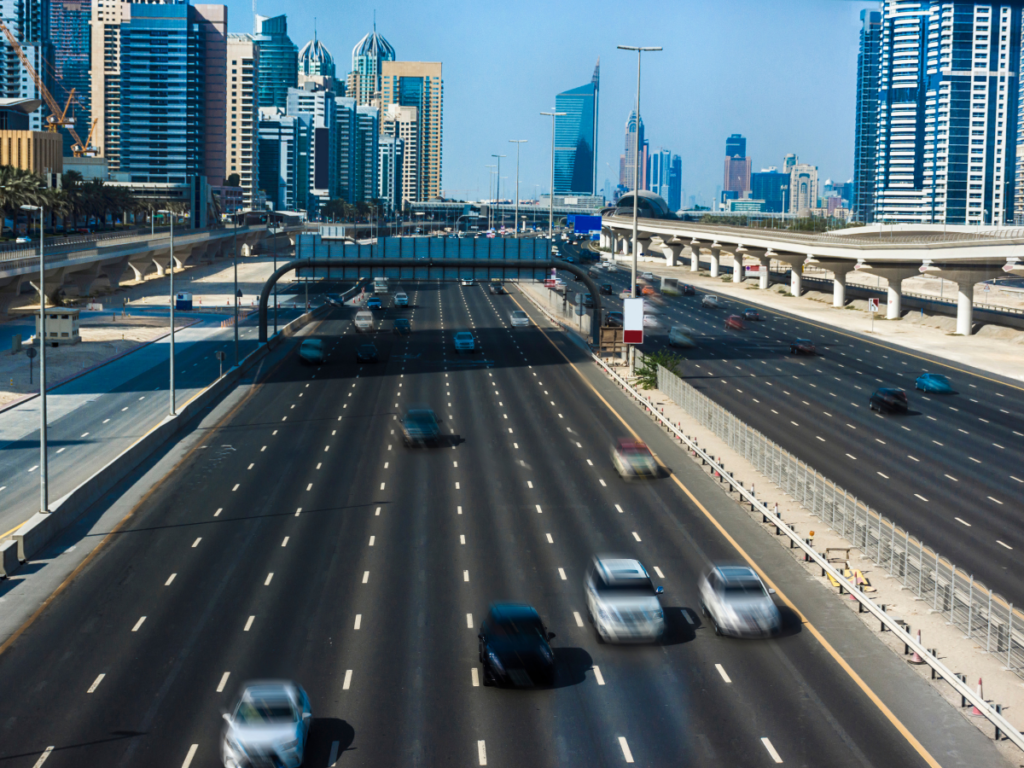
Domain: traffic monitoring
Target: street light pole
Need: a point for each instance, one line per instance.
(276, 232)
(234, 258)
(551, 190)
(171, 260)
(44, 501)
(490, 193)
(497, 184)
(519, 143)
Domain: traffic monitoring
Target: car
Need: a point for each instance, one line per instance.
(311, 351)
(632, 458)
(610, 267)
(594, 271)
(587, 300)
(606, 288)
(363, 321)
(520, 319)
(401, 299)
(622, 603)
(366, 353)
(686, 289)
(613, 320)
(466, 281)
(569, 259)
(648, 291)
(23, 240)
(889, 399)
(374, 303)
(710, 301)
(648, 276)
(420, 426)
(934, 382)
(402, 327)
(625, 293)
(802, 347)
(496, 288)
(751, 314)
(268, 725)
(514, 647)
(650, 321)
(681, 336)
(735, 323)
(738, 603)
(464, 342)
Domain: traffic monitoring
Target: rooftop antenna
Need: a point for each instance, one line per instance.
(255, 23)
(314, 29)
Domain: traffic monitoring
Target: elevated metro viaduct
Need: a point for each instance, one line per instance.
(963, 255)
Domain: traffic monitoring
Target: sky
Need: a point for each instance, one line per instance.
(780, 72)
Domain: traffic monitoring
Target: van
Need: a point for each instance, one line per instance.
(363, 321)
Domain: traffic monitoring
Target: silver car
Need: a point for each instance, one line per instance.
(520, 319)
(267, 727)
(622, 602)
(710, 301)
(738, 603)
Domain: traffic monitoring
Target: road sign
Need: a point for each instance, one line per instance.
(872, 305)
(30, 352)
(633, 321)
(986, 287)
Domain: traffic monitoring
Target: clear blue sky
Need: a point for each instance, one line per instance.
(780, 72)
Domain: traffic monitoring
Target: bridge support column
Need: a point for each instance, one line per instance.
(795, 282)
(9, 291)
(894, 300)
(738, 275)
(839, 272)
(672, 251)
(715, 260)
(161, 270)
(112, 272)
(764, 272)
(965, 307)
(694, 258)
(84, 279)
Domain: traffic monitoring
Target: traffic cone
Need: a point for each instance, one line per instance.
(974, 710)
(916, 658)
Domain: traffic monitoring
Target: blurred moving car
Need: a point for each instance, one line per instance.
(520, 319)
(889, 399)
(735, 323)
(403, 327)
(366, 353)
(613, 320)
(681, 336)
(311, 351)
(710, 301)
(648, 276)
(466, 281)
(514, 647)
(625, 293)
(606, 288)
(751, 314)
(934, 382)
(401, 299)
(650, 321)
(363, 321)
(268, 726)
(632, 458)
(464, 342)
(622, 603)
(420, 427)
(802, 347)
(588, 300)
(648, 291)
(496, 288)
(374, 303)
(738, 603)
(686, 289)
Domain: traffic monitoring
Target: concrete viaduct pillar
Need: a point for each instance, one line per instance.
(895, 277)
(716, 249)
(694, 256)
(764, 270)
(839, 270)
(672, 250)
(9, 291)
(965, 307)
(738, 270)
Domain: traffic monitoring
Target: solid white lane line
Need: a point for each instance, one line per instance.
(465, 575)
(657, 570)
(96, 682)
(561, 572)
(597, 675)
(481, 752)
(1003, 544)
(469, 621)
(721, 671)
(771, 750)
(170, 579)
(579, 619)
(359, 621)
(625, 749)
(366, 576)
(248, 624)
(186, 764)
(138, 624)
(348, 680)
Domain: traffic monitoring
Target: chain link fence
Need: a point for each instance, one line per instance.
(982, 615)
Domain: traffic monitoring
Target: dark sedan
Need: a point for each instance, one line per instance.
(514, 647)
(751, 314)
(403, 327)
(614, 320)
(686, 289)
(802, 347)
(889, 400)
(606, 288)
(366, 353)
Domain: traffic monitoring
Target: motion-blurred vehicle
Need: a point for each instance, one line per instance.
(311, 351)
(374, 303)
(569, 259)
(648, 291)
(464, 342)
(363, 321)
(681, 336)
(686, 289)
(613, 320)
(594, 271)
(420, 427)
(402, 327)
(606, 288)
(610, 267)
(648, 276)
(366, 353)
(520, 319)
(889, 400)
(710, 301)
(496, 288)
(802, 347)
(622, 603)
(735, 323)
(650, 321)
(466, 281)
(401, 299)
(934, 382)
(588, 300)
(751, 314)
(514, 647)
(625, 293)
(632, 458)
(268, 726)
(738, 603)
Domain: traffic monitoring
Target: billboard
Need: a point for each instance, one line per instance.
(585, 223)
(633, 321)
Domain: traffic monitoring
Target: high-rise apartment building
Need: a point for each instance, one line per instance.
(69, 35)
(948, 121)
(865, 145)
(660, 173)
(403, 123)
(576, 138)
(316, 65)
(773, 187)
(241, 148)
(419, 84)
(364, 82)
(346, 127)
(636, 145)
(675, 184)
(284, 146)
(803, 186)
(737, 166)
(366, 142)
(29, 22)
(320, 106)
(389, 172)
(279, 61)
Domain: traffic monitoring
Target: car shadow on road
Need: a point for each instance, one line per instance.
(791, 623)
(324, 733)
(678, 626)
(571, 666)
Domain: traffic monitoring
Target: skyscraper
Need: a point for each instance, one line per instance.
(866, 130)
(660, 173)
(389, 172)
(368, 57)
(366, 142)
(737, 166)
(69, 33)
(675, 184)
(316, 65)
(29, 22)
(242, 140)
(284, 145)
(772, 187)
(419, 84)
(576, 138)
(635, 143)
(320, 107)
(803, 185)
(403, 123)
(279, 61)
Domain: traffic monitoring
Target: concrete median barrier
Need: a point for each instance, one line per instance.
(8, 558)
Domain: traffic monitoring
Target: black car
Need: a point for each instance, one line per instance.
(420, 427)
(751, 314)
(514, 647)
(889, 399)
(606, 288)
(403, 327)
(614, 319)
(366, 353)
(686, 289)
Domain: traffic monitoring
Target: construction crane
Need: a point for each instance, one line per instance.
(58, 118)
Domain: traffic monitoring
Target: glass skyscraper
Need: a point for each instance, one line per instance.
(368, 57)
(866, 131)
(69, 33)
(279, 61)
(576, 138)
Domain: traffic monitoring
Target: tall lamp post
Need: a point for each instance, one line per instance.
(234, 258)
(551, 191)
(519, 143)
(490, 192)
(636, 155)
(44, 501)
(497, 184)
(171, 260)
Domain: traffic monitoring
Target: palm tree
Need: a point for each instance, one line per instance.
(17, 188)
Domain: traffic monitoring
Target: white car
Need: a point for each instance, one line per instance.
(648, 276)
(268, 726)
(401, 299)
(681, 336)
(622, 602)
(520, 319)
(710, 301)
(650, 321)
(363, 321)
(464, 342)
(466, 281)
(738, 603)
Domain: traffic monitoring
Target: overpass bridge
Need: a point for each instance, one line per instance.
(103, 262)
(963, 255)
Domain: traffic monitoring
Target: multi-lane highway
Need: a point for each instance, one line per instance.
(300, 539)
(949, 471)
